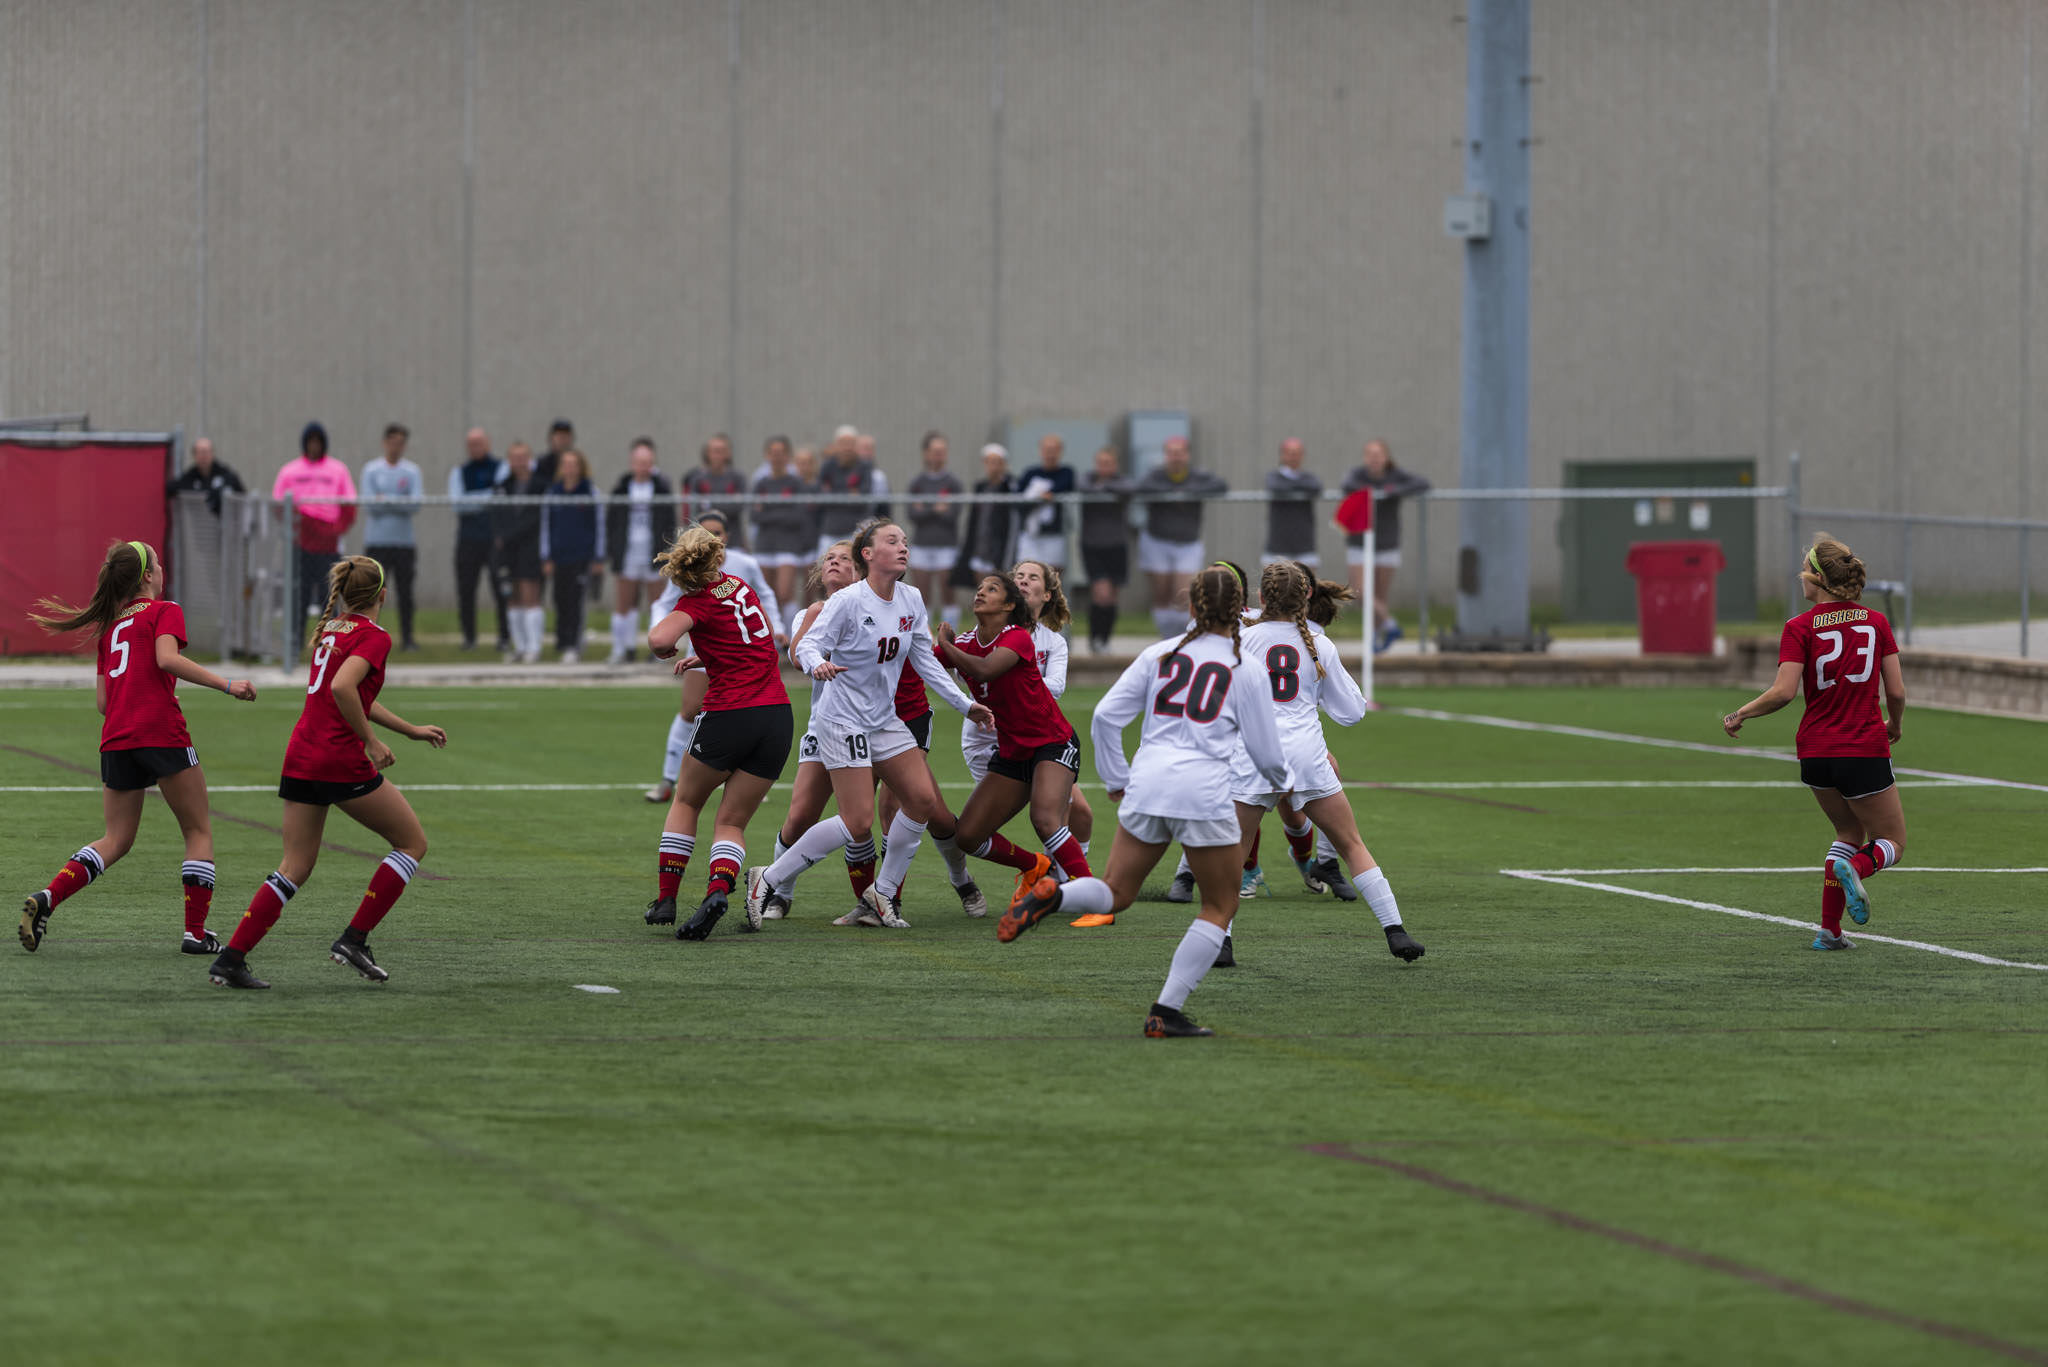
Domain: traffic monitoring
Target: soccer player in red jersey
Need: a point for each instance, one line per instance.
(334, 760)
(744, 735)
(143, 740)
(1037, 754)
(1839, 651)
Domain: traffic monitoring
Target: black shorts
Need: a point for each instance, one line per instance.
(1066, 753)
(519, 558)
(318, 792)
(752, 740)
(1851, 776)
(1111, 562)
(921, 731)
(127, 770)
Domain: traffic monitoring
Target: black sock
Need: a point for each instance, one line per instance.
(1101, 621)
(354, 936)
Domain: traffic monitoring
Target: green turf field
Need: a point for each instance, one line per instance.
(1588, 1127)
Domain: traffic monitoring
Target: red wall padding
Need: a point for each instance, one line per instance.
(59, 507)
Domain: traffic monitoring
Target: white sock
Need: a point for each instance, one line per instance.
(1053, 842)
(1324, 849)
(1183, 867)
(1887, 855)
(1296, 831)
(956, 861)
(1169, 622)
(536, 629)
(904, 837)
(1084, 848)
(813, 845)
(780, 848)
(622, 631)
(1372, 886)
(1087, 897)
(672, 753)
(1191, 961)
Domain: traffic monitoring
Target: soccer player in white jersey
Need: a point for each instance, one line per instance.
(858, 648)
(1197, 696)
(1291, 651)
(684, 725)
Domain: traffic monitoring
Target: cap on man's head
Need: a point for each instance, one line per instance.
(561, 425)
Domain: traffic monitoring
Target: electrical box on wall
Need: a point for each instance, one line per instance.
(1468, 217)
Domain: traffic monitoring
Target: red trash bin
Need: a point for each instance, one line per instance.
(1675, 595)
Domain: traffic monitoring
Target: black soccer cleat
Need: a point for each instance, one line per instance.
(698, 927)
(205, 942)
(1224, 958)
(232, 970)
(35, 919)
(1332, 875)
(1167, 1023)
(660, 912)
(358, 957)
(1402, 945)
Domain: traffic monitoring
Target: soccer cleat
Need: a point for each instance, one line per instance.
(1167, 1023)
(852, 918)
(223, 973)
(1094, 919)
(1030, 906)
(774, 907)
(1182, 889)
(1309, 879)
(1333, 877)
(1403, 946)
(660, 792)
(698, 927)
(35, 919)
(205, 942)
(1041, 865)
(358, 957)
(971, 900)
(878, 911)
(1253, 883)
(1854, 899)
(752, 907)
(1826, 941)
(660, 912)
(758, 894)
(1224, 957)
(893, 917)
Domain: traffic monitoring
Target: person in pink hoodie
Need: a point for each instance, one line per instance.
(319, 526)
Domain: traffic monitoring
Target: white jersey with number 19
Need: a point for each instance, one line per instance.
(1196, 700)
(872, 639)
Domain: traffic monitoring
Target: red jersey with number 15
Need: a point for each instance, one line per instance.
(1841, 649)
(1027, 717)
(733, 637)
(322, 747)
(142, 700)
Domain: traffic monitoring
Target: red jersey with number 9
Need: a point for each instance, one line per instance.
(322, 747)
(142, 700)
(733, 637)
(1841, 649)
(1027, 716)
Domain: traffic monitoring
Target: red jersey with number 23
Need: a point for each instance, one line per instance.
(1841, 649)
(732, 636)
(1027, 717)
(142, 700)
(322, 747)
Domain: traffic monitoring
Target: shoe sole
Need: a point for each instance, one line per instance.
(698, 927)
(1855, 900)
(1155, 1028)
(1407, 952)
(1093, 920)
(1028, 908)
(218, 981)
(207, 946)
(32, 933)
(1844, 943)
(370, 974)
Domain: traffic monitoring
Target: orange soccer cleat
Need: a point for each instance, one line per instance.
(1030, 906)
(1094, 919)
(1041, 865)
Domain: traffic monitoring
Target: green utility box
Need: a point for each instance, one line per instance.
(1595, 534)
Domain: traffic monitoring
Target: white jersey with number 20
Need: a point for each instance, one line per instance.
(1196, 702)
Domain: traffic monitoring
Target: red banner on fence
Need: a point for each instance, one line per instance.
(64, 502)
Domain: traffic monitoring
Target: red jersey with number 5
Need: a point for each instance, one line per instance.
(1841, 649)
(1027, 717)
(322, 747)
(733, 637)
(142, 700)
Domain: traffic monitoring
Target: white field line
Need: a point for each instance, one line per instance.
(1538, 876)
(1700, 747)
(1794, 868)
(1585, 784)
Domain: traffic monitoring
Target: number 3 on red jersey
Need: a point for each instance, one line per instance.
(1866, 653)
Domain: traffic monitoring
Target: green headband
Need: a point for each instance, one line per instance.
(142, 551)
(1813, 561)
(1224, 565)
(380, 574)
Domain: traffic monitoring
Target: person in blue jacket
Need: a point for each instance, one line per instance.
(572, 541)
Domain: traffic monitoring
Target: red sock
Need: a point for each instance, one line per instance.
(726, 858)
(387, 885)
(1251, 859)
(1301, 844)
(1831, 902)
(998, 849)
(675, 855)
(264, 909)
(1878, 854)
(1066, 852)
(198, 901)
(76, 873)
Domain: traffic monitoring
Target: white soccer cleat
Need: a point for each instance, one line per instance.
(971, 900)
(757, 896)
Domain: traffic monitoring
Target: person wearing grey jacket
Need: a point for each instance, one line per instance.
(1105, 539)
(1389, 484)
(1170, 547)
(390, 488)
(1291, 509)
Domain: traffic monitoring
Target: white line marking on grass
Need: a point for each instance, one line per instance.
(1698, 747)
(1541, 876)
(1374, 785)
(598, 988)
(1792, 868)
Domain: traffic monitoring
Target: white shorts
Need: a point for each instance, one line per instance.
(1050, 549)
(1311, 559)
(775, 560)
(1168, 557)
(977, 747)
(1312, 779)
(1354, 556)
(1194, 833)
(859, 749)
(934, 559)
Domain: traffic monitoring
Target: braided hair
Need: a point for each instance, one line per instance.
(1325, 596)
(1216, 598)
(1833, 568)
(1284, 590)
(122, 576)
(354, 584)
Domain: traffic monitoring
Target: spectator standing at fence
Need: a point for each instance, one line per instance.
(1390, 484)
(638, 526)
(811, 470)
(1291, 508)
(986, 547)
(843, 471)
(561, 436)
(1170, 548)
(784, 523)
(515, 526)
(878, 480)
(470, 485)
(318, 525)
(391, 489)
(572, 547)
(935, 528)
(714, 483)
(1105, 545)
(1042, 530)
(206, 475)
